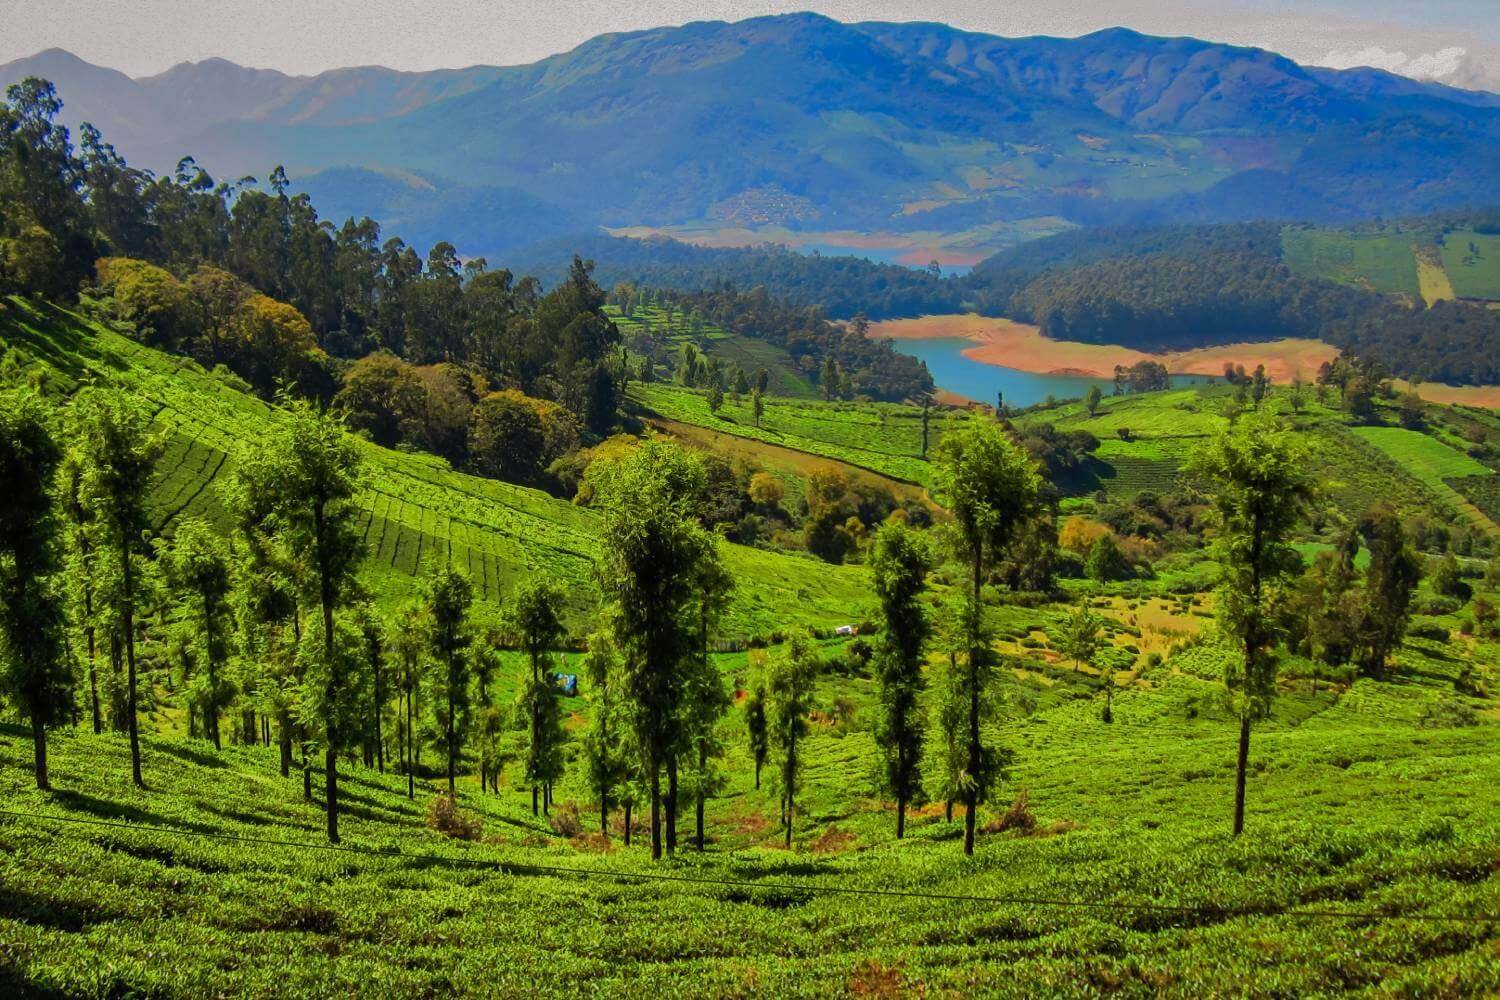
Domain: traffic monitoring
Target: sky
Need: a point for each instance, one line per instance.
(1455, 41)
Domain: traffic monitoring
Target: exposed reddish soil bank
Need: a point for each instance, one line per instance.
(1022, 347)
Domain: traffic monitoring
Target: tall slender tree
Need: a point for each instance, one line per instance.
(197, 570)
(650, 548)
(898, 564)
(408, 637)
(1256, 474)
(116, 451)
(448, 598)
(789, 693)
(603, 744)
(82, 576)
(756, 727)
(537, 619)
(989, 484)
(303, 476)
(1390, 582)
(33, 668)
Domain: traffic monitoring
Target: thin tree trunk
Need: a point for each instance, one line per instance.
(284, 741)
(129, 623)
(1239, 776)
(39, 751)
(671, 803)
(901, 779)
(379, 736)
(698, 805)
(411, 742)
(627, 824)
(452, 737)
(948, 811)
(88, 609)
(306, 767)
(655, 811)
(535, 799)
(971, 795)
(757, 773)
(325, 596)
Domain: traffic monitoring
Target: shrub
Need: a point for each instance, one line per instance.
(565, 821)
(444, 816)
(1017, 817)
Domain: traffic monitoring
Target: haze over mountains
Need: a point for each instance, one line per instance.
(806, 122)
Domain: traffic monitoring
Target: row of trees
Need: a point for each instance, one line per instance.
(274, 621)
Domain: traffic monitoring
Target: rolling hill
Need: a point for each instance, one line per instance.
(419, 513)
(803, 121)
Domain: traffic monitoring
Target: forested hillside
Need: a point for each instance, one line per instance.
(805, 121)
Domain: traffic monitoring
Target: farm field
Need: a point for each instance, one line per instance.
(419, 512)
(1381, 262)
(730, 348)
(1366, 799)
(1472, 261)
(885, 438)
(1418, 264)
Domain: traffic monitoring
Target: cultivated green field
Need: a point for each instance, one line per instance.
(419, 513)
(731, 349)
(1472, 261)
(883, 437)
(1374, 801)
(1372, 804)
(1386, 261)
(1381, 262)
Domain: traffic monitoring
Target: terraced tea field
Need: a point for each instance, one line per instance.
(750, 353)
(885, 438)
(419, 513)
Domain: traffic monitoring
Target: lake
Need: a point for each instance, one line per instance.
(979, 381)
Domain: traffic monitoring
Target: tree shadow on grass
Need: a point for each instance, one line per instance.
(188, 754)
(55, 914)
(80, 802)
(14, 983)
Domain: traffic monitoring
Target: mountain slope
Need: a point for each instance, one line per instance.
(808, 122)
(419, 514)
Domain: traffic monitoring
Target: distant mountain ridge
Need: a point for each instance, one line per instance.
(872, 126)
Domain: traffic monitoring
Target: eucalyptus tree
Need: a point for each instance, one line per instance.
(536, 617)
(1256, 476)
(990, 485)
(705, 699)
(116, 453)
(650, 548)
(82, 575)
(303, 477)
(603, 743)
(448, 597)
(196, 565)
(789, 695)
(33, 666)
(408, 641)
(755, 727)
(898, 564)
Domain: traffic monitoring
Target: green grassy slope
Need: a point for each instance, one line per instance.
(1375, 798)
(1385, 260)
(885, 438)
(730, 348)
(419, 513)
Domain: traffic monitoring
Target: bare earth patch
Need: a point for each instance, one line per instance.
(1021, 346)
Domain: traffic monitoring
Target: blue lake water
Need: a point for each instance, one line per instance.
(979, 381)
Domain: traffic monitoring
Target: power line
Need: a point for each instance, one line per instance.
(529, 868)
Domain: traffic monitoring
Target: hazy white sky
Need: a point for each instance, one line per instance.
(1449, 39)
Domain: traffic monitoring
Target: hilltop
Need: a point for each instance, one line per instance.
(803, 121)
